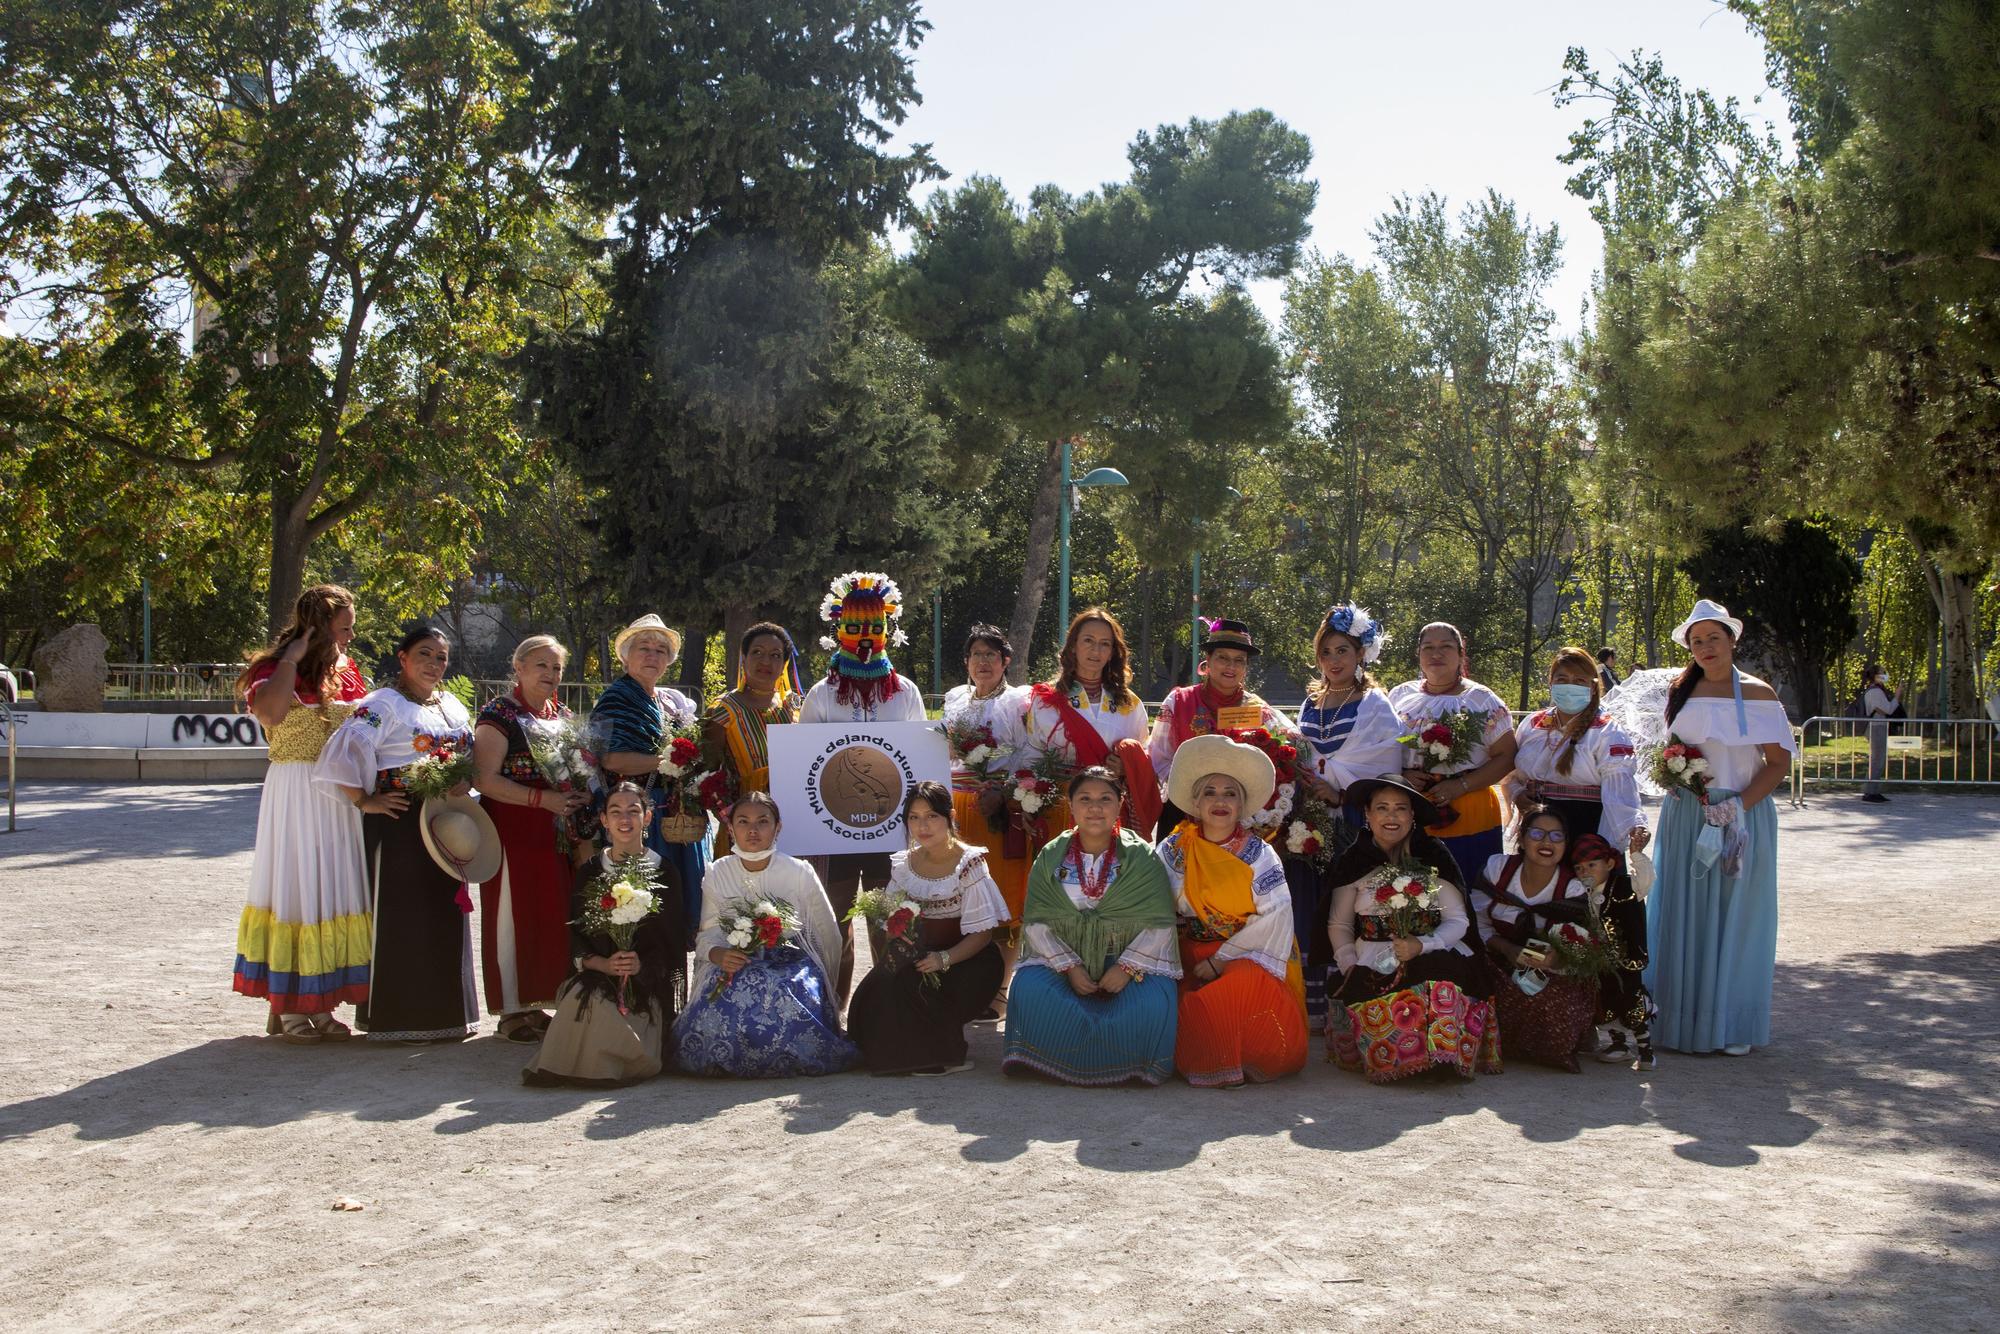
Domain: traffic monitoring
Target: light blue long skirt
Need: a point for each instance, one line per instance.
(775, 1018)
(1091, 1040)
(1714, 938)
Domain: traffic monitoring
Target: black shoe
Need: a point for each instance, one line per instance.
(1645, 1061)
(1616, 1052)
(1873, 797)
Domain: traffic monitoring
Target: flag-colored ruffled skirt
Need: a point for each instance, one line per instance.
(302, 941)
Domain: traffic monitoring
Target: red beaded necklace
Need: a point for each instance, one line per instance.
(1093, 887)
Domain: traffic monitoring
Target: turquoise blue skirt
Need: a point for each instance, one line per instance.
(1091, 1040)
(1714, 937)
(775, 1018)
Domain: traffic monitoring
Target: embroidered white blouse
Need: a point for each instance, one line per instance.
(1156, 950)
(1044, 725)
(1604, 760)
(1004, 712)
(388, 730)
(823, 705)
(966, 892)
(730, 884)
(1265, 938)
(1418, 708)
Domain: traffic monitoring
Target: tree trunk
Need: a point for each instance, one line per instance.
(735, 620)
(1145, 669)
(288, 560)
(1035, 569)
(1527, 646)
(1957, 607)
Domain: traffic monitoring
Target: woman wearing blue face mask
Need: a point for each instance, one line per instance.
(1574, 760)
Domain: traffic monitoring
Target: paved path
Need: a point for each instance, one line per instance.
(162, 1166)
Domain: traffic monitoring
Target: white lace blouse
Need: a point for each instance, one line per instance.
(966, 892)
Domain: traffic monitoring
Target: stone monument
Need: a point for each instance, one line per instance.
(71, 671)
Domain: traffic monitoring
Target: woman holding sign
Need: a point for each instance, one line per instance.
(1093, 999)
(861, 686)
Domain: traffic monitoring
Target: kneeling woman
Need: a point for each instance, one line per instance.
(1243, 998)
(771, 1013)
(1093, 996)
(1414, 994)
(911, 1019)
(613, 1013)
(1527, 895)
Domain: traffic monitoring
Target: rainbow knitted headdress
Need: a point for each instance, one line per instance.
(861, 668)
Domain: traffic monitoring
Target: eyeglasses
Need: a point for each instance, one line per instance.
(1545, 835)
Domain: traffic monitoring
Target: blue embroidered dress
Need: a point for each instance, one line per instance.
(777, 1016)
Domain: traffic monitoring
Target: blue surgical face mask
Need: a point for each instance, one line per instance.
(1570, 698)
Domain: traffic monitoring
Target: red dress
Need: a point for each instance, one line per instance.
(524, 940)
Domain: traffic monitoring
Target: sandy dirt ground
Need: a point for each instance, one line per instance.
(164, 1166)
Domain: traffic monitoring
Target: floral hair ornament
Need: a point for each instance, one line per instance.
(1357, 624)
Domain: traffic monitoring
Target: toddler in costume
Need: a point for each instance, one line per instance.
(1626, 1007)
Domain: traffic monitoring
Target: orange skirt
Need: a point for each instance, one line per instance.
(1245, 1025)
(1010, 873)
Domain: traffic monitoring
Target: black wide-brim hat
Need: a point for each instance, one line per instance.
(1360, 792)
(1229, 634)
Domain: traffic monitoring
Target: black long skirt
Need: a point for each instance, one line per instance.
(420, 981)
(902, 1025)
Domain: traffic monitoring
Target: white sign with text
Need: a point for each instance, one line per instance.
(840, 786)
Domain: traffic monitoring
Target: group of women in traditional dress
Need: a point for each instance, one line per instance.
(1412, 873)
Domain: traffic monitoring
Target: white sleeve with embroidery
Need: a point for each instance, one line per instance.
(1266, 938)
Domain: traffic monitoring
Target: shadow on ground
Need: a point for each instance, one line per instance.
(1881, 1044)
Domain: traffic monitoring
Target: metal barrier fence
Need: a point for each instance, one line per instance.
(207, 681)
(10, 720)
(1931, 752)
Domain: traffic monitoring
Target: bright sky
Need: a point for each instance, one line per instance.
(1442, 95)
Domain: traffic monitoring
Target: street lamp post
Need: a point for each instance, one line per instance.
(1095, 477)
(1194, 625)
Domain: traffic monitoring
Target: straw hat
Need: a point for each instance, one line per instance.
(1200, 756)
(649, 622)
(1361, 791)
(460, 837)
(1704, 610)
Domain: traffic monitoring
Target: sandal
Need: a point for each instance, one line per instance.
(331, 1029)
(518, 1028)
(297, 1029)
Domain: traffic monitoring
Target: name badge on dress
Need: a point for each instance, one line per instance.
(1239, 718)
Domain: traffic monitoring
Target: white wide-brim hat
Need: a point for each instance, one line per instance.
(1704, 610)
(649, 623)
(1200, 756)
(460, 837)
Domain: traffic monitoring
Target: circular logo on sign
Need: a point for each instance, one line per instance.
(861, 786)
